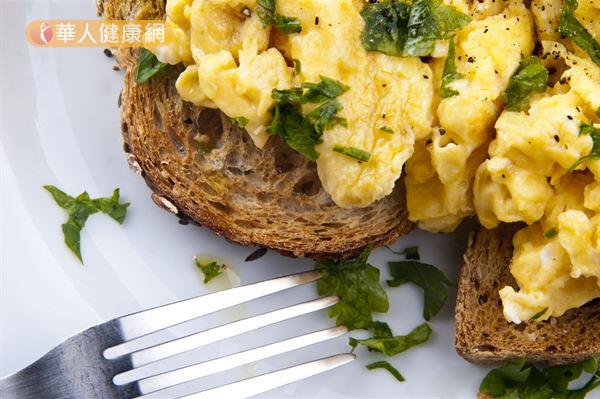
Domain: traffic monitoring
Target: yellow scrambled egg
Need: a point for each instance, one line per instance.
(464, 154)
(234, 62)
(527, 179)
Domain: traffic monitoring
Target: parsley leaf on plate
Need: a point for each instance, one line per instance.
(356, 283)
(268, 14)
(303, 132)
(450, 73)
(210, 269)
(520, 379)
(530, 77)
(409, 29)
(148, 66)
(569, 27)
(80, 209)
(391, 346)
(432, 280)
(382, 364)
(595, 153)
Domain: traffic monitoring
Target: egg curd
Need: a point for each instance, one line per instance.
(465, 153)
(234, 62)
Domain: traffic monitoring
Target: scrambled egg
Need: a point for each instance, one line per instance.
(464, 154)
(234, 62)
(440, 175)
(556, 261)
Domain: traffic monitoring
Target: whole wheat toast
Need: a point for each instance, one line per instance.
(270, 198)
(482, 333)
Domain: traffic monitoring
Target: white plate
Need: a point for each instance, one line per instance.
(60, 125)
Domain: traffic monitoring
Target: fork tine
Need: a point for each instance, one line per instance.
(193, 341)
(186, 374)
(142, 323)
(266, 382)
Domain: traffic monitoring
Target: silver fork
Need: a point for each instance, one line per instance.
(85, 365)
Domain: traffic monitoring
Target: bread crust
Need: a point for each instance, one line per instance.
(268, 198)
(482, 333)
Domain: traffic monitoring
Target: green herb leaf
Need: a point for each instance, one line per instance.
(297, 66)
(209, 269)
(387, 129)
(326, 89)
(387, 366)
(303, 132)
(520, 379)
(379, 329)
(295, 129)
(391, 346)
(410, 252)
(404, 29)
(569, 27)
(324, 116)
(595, 153)
(268, 14)
(530, 77)
(432, 280)
(80, 209)
(429, 21)
(538, 314)
(358, 154)
(551, 233)
(241, 121)
(148, 66)
(356, 283)
(450, 73)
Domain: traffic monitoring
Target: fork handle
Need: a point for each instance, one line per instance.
(75, 369)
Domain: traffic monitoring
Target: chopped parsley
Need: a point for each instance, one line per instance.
(409, 253)
(530, 77)
(148, 66)
(357, 284)
(432, 280)
(391, 346)
(358, 154)
(297, 66)
(241, 121)
(450, 73)
(267, 11)
(303, 131)
(382, 364)
(551, 233)
(210, 269)
(538, 314)
(595, 153)
(569, 27)
(80, 209)
(520, 379)
(387, 129)
(409, 29)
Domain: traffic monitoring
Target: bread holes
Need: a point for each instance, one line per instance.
(308, 185)
(157, 118)
(247, 224)
(209, 122)
(176, 142)
(334, 225)
(223, 208)
(286, 159)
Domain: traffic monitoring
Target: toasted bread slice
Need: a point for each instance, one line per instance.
(482, 333)
(270, 198)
